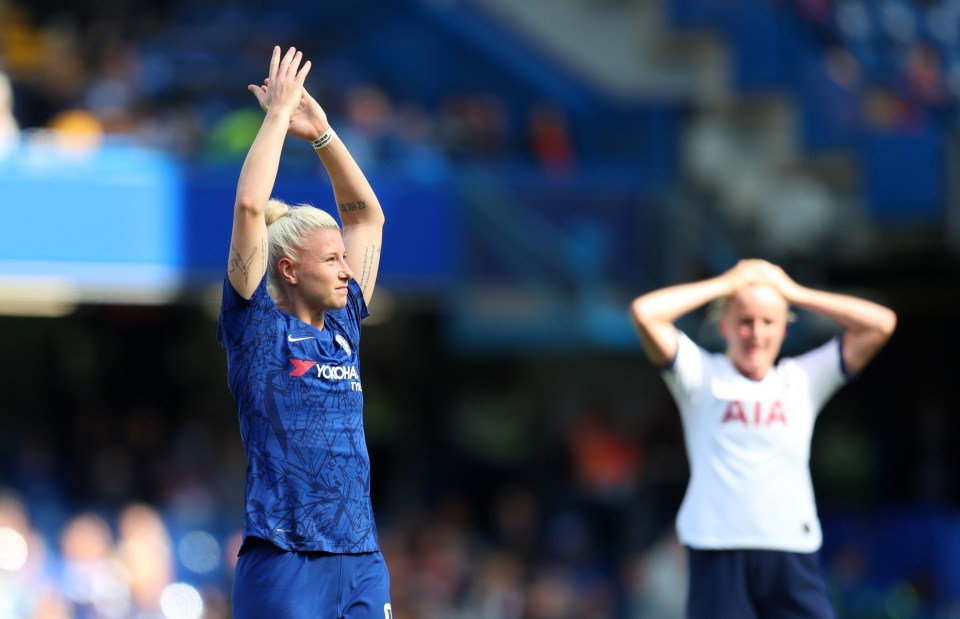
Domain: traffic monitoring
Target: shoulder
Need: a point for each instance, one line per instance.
(689, 350)
(233, 300)
(242, 317)
(829, 353)
(823, 363)
(356, 305)
(348, 318)
(692, 360)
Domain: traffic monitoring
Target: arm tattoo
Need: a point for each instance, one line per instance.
(371, 255)
(347, 207)
(237, 263)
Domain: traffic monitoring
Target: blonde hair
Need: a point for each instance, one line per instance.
(287, 229)
(718, 307)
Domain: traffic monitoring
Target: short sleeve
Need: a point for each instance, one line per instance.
(823, 368)
(686, 374)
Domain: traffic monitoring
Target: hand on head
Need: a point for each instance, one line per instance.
(760, 272)
(744, 273)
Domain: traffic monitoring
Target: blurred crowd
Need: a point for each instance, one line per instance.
(173, 76)
(901, 57)
(95, 570)
(132, 565)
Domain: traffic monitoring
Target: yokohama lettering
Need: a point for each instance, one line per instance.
(338, 372)
(326, 372)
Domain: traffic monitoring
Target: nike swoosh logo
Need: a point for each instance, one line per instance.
(290, 338)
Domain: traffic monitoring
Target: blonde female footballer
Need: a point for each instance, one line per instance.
(748, 518)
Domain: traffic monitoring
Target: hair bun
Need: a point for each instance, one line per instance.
(275, 210)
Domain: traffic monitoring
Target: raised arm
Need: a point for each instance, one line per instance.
(654, 313)
(359, 209)
(248, 243)
(867, 325)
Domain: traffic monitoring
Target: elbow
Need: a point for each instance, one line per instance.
(879, 333)
(247, 206)
(639, 311)
(375, 215)
(888, 324)
(366, 217)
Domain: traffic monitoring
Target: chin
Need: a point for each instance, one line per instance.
(754, 369)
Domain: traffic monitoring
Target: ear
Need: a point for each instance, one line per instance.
(722, 326)
(287, 269)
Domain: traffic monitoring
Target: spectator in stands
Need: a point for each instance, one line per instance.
(749, 519)
(9, 128)
(550, 139)
(145, 549)
(92, 579)
(922, 76)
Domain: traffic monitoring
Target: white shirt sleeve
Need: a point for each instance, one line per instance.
(823, 368)
(686, 375)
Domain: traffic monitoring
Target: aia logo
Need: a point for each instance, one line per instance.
(301, 367)
(760, 416)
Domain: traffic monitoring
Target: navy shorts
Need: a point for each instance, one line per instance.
(270, 582)
(756, 584)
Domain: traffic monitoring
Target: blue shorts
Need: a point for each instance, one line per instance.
(756, 584)
(270, 582)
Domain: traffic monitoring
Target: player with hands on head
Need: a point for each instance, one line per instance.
(748, 517)
(296, 290)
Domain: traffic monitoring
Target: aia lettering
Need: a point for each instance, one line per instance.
(758, 416)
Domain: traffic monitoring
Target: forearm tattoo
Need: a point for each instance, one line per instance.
(347, 207)
(371, 257)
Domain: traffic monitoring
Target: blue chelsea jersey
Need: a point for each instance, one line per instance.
(300, 407)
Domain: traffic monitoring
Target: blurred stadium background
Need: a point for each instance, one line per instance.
(541, 163)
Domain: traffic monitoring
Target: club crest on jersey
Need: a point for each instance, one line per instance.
(339, 339)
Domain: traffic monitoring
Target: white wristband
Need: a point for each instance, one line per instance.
(324, 140)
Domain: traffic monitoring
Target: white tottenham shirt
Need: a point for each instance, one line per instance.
(748, 444)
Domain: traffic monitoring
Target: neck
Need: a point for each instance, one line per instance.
(303, 314)
(752, 375)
